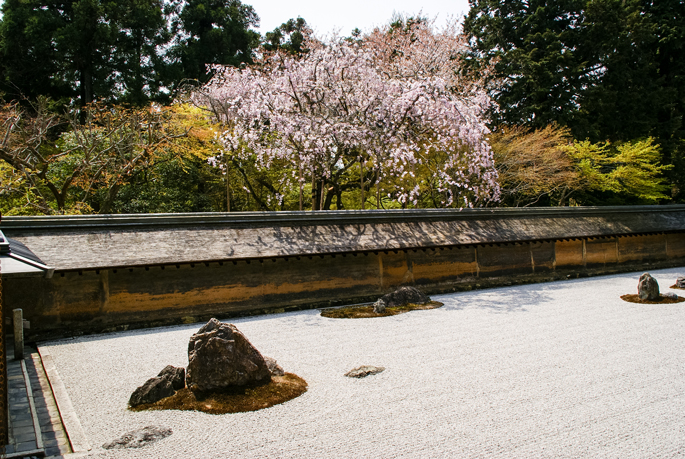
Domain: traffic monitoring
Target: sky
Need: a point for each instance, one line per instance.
(343, 16)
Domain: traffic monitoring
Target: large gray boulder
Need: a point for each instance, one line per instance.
(648, 288)
(219, 357)
(405, 295)
(680, 282)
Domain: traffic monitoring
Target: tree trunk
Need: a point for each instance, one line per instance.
(106, 206)
(361, 175)
(228, 194)
(378, 189)
(86, 86)
(299, 181)
(315, 202)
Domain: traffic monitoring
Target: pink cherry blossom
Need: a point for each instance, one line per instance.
(386, 103)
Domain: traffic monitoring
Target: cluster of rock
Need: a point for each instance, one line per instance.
(400, 297)
(219, 357)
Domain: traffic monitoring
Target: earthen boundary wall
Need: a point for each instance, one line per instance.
(107, 277)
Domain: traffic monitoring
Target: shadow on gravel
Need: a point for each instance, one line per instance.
(498, 300)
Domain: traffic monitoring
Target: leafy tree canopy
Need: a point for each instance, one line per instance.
(289, 37)
(609, 70)
(213, 32)
(131, 51)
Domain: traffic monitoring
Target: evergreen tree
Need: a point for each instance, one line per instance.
(85, 49)
(213, 32)
(541, 63)
(607, 69)
(289, 37)
(139, 57)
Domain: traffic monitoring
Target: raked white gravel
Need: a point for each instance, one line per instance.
(562, 369)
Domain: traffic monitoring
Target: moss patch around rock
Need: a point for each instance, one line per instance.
(238, 400)
(634, 298)
(366, 311)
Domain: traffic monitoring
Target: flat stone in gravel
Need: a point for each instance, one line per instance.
(364, 371)
(139, 438)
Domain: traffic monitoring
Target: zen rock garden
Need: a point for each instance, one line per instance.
(648, 292)
(225, 374)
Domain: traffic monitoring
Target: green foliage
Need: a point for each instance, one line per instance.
(540, 61)
(127, 52)
(85, 49)
(609, 70)
(631, 168)
(288, 37)
(79, 162)
(212, 32)
(172, 185)
(138, 57)
(546, 167)
(29, 63)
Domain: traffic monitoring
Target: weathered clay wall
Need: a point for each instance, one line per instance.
(96, 300)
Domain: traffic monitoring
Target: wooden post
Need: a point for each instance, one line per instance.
(4, 421)
(18, 334)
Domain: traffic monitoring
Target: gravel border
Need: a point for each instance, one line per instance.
(561, 369)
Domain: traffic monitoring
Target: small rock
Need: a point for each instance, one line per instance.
(219, 357)
(139, 438)
(379, 306)
(405, 295)
(364, 371)
(175, 375)
(680, 282)
(648, 288)
(165, 384)
(152, 391)
(274, 368)
(670, 296)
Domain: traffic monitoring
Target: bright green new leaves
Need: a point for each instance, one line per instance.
(631, 168)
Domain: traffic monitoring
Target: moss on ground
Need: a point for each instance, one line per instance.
(366, 311)
(634, 298)
(237, 400)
